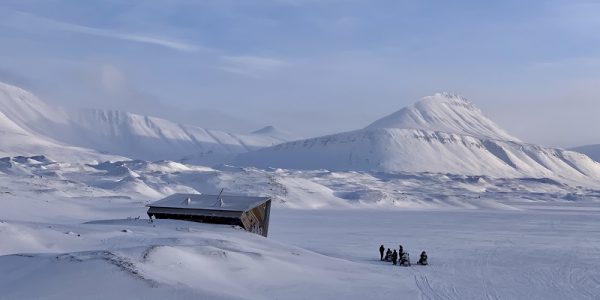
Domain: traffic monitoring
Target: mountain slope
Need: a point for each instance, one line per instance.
(380, 147)
(125, 133)
(593, 151)
(447, 113)
(16, 138)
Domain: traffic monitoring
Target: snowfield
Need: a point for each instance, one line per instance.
(135, 259)
(74, 233)
(39, 177)
(544, 254)
(541, 252)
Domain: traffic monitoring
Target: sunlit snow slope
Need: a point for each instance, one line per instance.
(442, 133)
(447, 113)
(593, 151)
(119, 132)
(16, 138)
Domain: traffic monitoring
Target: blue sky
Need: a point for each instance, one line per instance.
(312, 67)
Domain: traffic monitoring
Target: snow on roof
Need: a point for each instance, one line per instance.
(210, 202)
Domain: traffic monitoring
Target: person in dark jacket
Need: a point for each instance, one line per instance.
(423, 259)
(400, 251)
(395, 257)
(388, 255)
(381, 250)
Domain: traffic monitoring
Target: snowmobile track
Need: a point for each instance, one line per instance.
(427, 292)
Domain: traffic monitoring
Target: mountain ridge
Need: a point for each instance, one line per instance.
(593, 151)
(123, 133)
(402, 142)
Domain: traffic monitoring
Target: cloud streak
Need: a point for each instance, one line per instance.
(252, 66)
(20, 19)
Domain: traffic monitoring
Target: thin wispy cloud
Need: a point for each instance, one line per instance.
(20, 19)
(252, 66)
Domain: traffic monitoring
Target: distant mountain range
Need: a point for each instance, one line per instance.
(30, 126)
(443, 133)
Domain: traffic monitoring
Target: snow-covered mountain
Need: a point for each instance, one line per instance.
(17, 108)
(274, 132)
(153, 138)
(442, 133)
(593, 151)
(446, 113)
(37, 124)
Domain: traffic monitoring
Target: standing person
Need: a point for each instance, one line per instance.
(381, 250)
(395, 257)
(400, 250)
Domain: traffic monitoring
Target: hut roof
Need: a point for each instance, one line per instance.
(210, 202)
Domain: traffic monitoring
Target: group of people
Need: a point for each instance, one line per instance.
(400, 257)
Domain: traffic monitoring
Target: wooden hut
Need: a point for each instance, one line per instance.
(250, 213)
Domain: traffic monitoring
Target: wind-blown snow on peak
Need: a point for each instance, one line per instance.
(447, 113)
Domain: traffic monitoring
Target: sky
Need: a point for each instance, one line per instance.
(312, 67)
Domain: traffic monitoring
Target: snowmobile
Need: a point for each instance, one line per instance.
(405, 260)
(388, 257)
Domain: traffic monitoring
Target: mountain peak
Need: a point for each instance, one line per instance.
(450, 96)
(444, 112)
(270, 129)
(446, 98)
(24, 108)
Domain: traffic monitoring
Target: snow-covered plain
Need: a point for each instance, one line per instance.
(546, 253)
(542, 252)
(69, 230)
